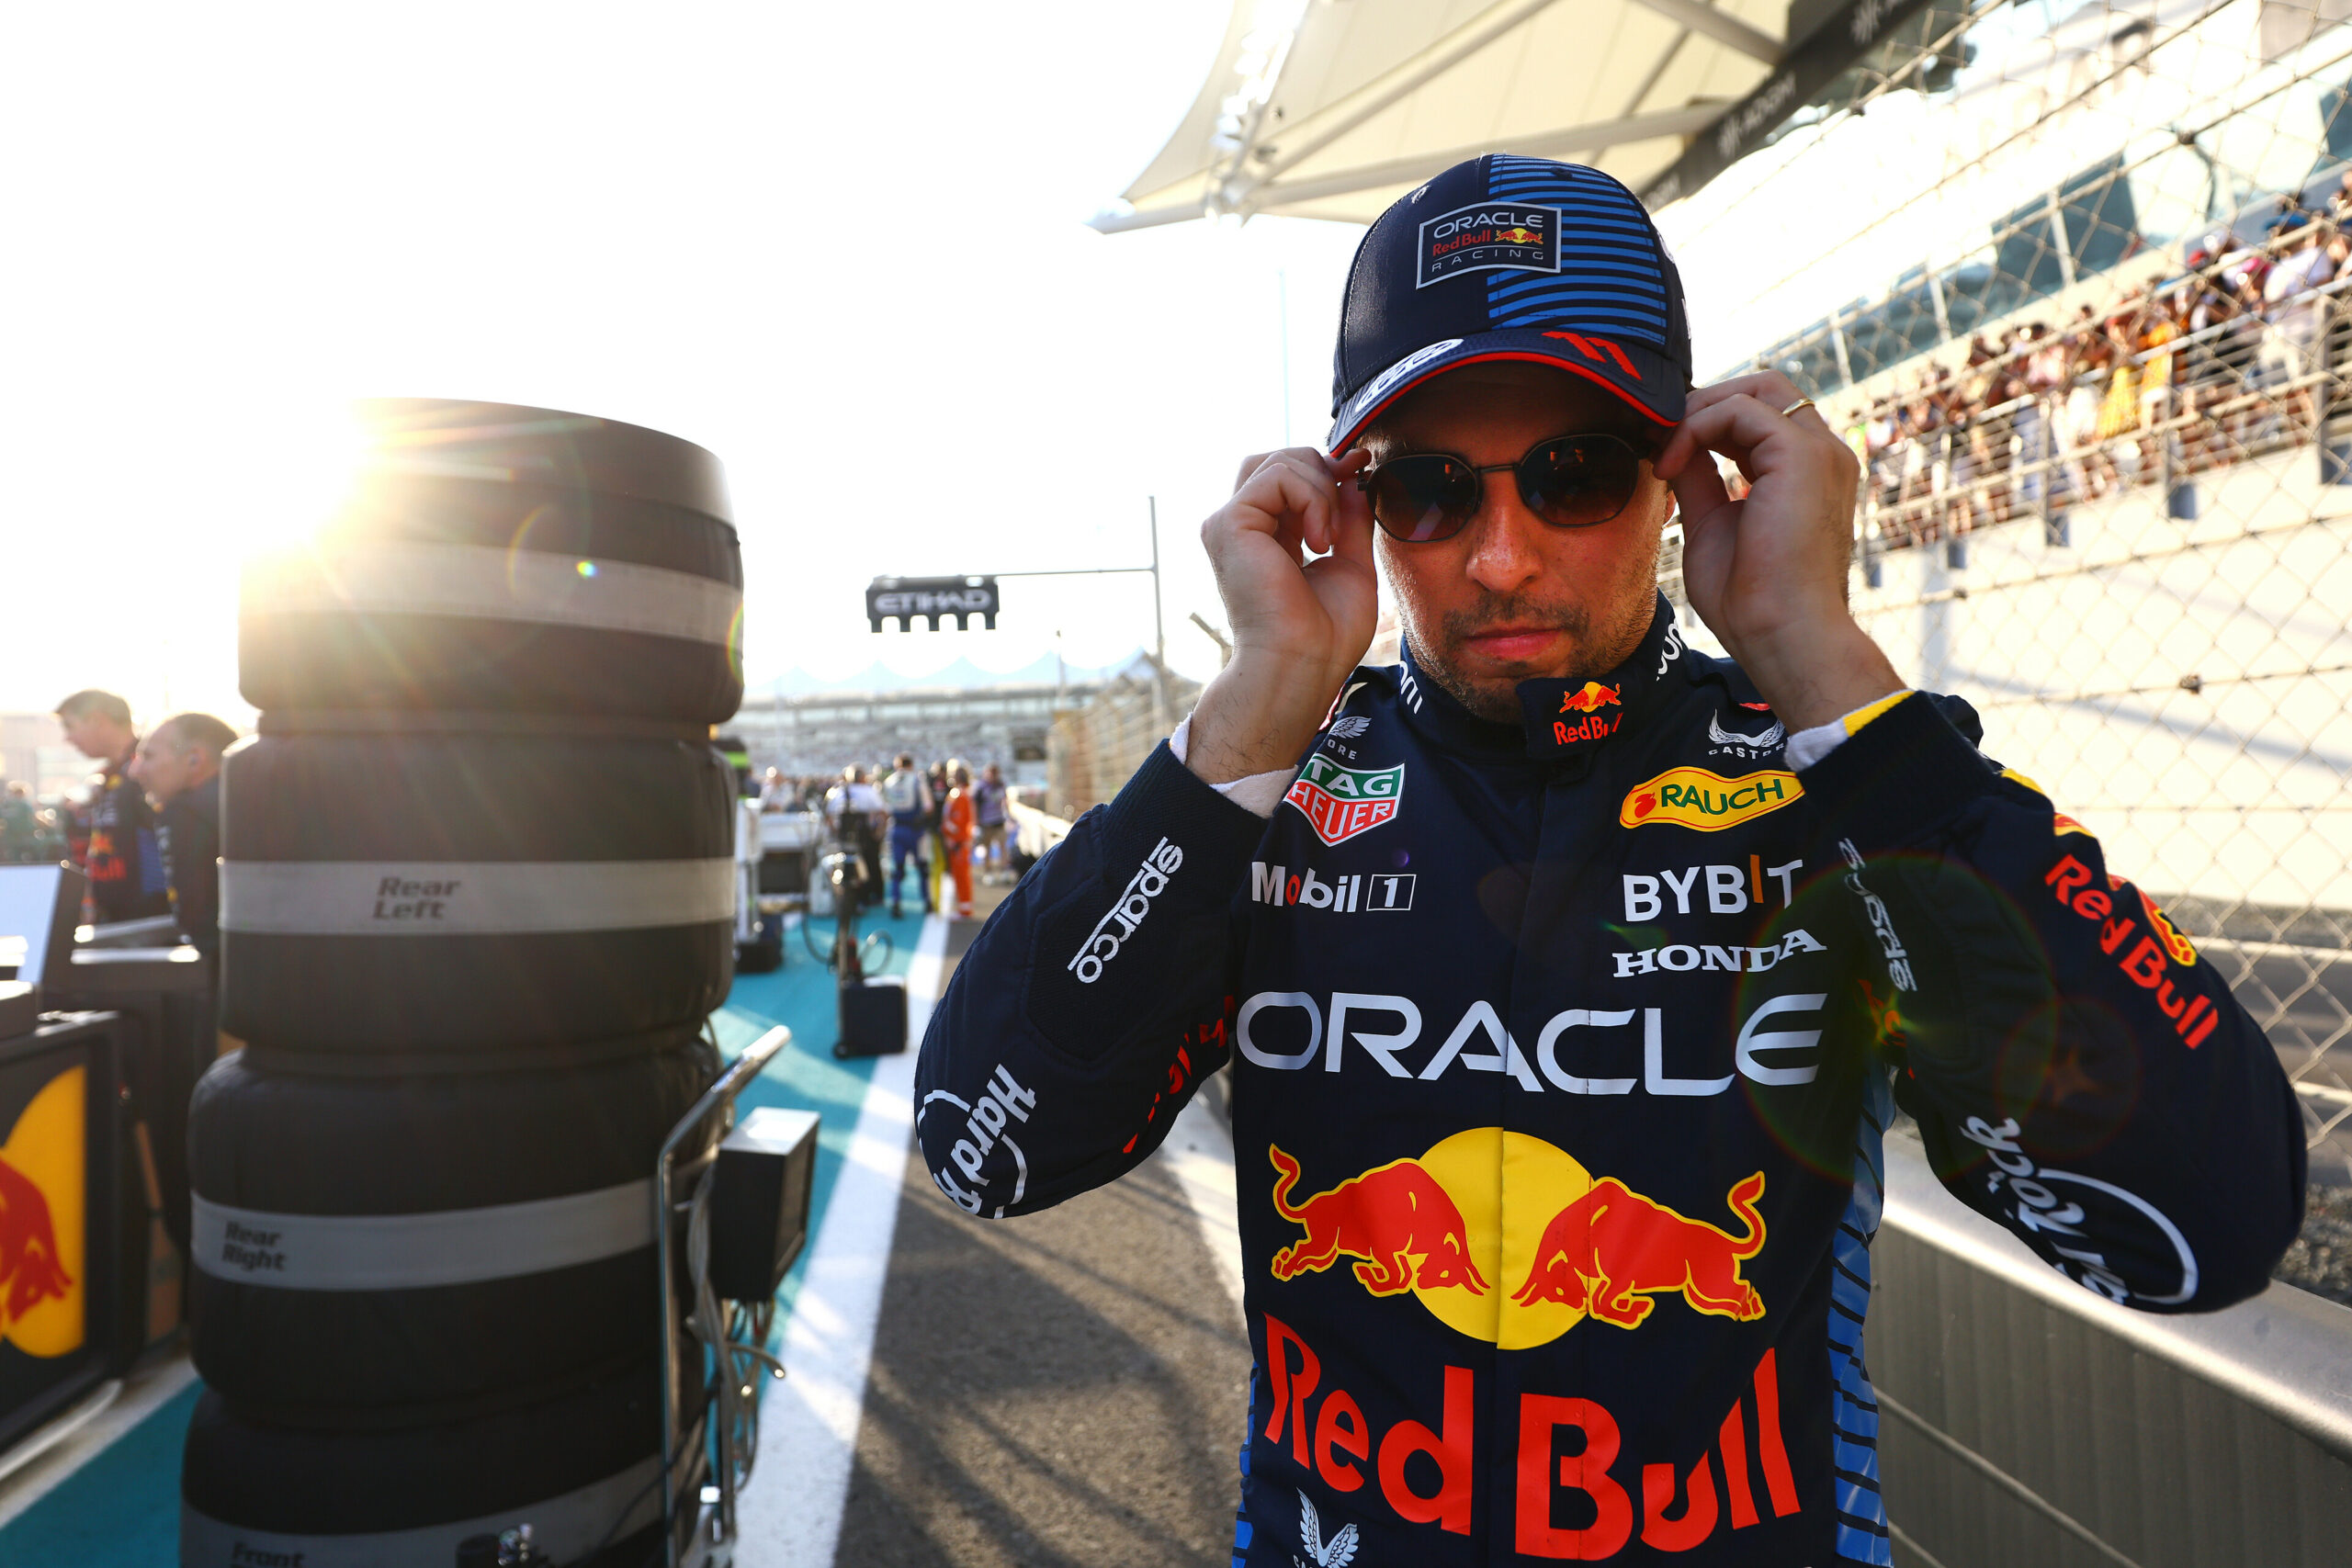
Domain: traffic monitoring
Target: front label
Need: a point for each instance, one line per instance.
(1704, 800)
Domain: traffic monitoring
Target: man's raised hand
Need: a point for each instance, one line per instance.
(1292, 551)
(1768, 572)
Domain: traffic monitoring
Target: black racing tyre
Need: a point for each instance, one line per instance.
(368, 1250)
(583, 1470)
(423, 896)
(506, 559)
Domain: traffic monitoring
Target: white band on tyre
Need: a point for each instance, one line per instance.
(414, 1252)
(394, 577)
(566, 1529)
(471, 897)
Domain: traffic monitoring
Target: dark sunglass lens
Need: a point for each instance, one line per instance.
(1578, 481)
(1423, 498)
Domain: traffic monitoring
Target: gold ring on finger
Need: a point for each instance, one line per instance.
(1800, 404)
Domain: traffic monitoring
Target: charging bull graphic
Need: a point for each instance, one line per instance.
(1612, 1249)
(41, 1174)
(1393, 1217)
(29, 1270)
(1591, 698)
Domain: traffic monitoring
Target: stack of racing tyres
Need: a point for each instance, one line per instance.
(478, 896)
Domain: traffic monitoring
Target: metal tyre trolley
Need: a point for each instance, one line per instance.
(712, 1426)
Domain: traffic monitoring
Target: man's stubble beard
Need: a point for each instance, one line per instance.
(1498, 701)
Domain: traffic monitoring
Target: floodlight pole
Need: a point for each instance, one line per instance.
(1158, 630)
(1158, 618)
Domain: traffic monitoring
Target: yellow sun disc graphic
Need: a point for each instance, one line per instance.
(1478, 1169)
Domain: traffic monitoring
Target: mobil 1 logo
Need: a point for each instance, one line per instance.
(1355, 893)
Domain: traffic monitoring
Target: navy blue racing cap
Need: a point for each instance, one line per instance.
(1511, 258)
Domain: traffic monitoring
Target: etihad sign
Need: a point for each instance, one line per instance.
(1704, 800)
(1340, 803)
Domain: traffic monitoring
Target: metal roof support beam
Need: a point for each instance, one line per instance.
(1701, 18)
(1685, 121)
(1308, 138)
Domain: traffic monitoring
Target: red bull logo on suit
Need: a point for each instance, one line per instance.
(1568, 1245)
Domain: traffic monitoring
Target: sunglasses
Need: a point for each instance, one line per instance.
(1569, 481)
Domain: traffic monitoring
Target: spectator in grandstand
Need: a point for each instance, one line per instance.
(906, 794)
(988, 814)
(956, 827)
(2296, 317)
(178, 765)
(123, 861)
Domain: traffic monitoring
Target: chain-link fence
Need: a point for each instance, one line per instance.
(1094, 750)
(2097, 382)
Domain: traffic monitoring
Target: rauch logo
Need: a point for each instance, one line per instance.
(1704, 800)
(1340, 802)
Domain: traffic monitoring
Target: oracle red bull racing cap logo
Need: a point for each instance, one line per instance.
(41, 1222)
(1340, 803)
(1519, 1275)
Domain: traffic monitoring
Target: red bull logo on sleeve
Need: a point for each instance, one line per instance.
(41, 1221)
(1569, 1246)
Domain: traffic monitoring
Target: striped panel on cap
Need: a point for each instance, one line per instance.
(1609, 278)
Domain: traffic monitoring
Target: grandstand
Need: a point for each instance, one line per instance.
(2096, 386)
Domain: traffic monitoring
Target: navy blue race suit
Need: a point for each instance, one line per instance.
(1562, 1052)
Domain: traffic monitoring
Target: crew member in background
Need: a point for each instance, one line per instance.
(908, 796)
(935, 779)
(179, 766)
(854, 806)
(955, 829)
(123, 861)
(988, 812)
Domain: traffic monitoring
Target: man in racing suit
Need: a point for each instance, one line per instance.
(1570, 977)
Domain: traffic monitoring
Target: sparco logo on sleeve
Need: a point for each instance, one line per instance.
(1102, 944)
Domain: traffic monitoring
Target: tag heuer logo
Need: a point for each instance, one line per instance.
(1339, 803)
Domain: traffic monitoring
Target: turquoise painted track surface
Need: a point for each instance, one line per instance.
(121, 1508)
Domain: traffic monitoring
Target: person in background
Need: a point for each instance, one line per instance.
(938, 780)
(123, 861)
(777, 792)
(179, 766)
(988, 810)
(955, 829)
(20, 832)
(854, 806)
(908, 796)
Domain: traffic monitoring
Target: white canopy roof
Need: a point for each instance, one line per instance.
(1334, 109)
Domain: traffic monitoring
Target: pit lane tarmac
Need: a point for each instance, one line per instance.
(1062, 1389)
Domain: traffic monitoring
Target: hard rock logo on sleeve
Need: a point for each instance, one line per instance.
(1339, 803)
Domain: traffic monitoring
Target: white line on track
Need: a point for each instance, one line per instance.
(1199, 1154)
(791, 1515)
(142, 1392)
